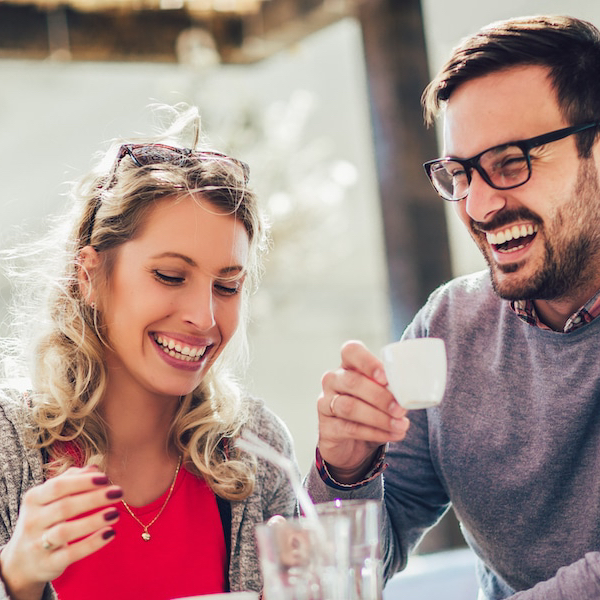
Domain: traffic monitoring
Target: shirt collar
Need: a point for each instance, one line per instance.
(525, 310)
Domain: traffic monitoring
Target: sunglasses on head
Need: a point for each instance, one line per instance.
(149, 154)
(143, 155)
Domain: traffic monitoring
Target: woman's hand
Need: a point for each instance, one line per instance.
(357, 414)
(54, 530)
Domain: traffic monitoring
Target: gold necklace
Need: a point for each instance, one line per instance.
(146, 535)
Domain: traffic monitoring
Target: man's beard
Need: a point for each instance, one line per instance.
(571, 245)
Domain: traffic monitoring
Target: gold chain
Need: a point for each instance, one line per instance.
(145, 535)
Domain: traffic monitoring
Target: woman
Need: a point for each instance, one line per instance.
(120, 478)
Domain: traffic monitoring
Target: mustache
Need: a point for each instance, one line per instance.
(506, 217)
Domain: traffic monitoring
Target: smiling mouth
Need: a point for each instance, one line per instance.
(512, 238)
(180, 351)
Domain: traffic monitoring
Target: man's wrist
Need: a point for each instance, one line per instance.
(354, 478)
(354, 474)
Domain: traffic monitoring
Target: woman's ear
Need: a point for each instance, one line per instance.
(87, 266)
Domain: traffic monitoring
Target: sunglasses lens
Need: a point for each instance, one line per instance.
(149, 155)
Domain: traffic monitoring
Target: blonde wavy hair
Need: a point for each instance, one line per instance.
(70, 378)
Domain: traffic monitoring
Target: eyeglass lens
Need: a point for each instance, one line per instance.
(502, 167)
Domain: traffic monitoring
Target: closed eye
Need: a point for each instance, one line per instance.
(228, 290)
(167, 279)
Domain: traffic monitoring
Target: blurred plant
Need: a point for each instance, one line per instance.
(304, 188)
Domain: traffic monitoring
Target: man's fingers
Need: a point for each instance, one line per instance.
(360, 420)
(356, 357)
(344, 382)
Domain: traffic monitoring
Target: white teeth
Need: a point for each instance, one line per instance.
(175, 349)
(511, 233)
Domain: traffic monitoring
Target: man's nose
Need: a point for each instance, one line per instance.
(483, 201)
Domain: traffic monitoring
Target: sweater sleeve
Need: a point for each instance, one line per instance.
(578, 581)
(20, 469)
(273, 495)
(278, 495)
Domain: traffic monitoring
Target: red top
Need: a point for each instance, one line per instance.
(185, 556)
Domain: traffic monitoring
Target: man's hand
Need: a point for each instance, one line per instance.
(357, 414)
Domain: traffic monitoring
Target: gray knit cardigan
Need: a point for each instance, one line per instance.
(21, 468)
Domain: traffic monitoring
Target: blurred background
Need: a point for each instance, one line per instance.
(320, 97)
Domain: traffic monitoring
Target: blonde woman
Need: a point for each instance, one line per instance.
(119, 474)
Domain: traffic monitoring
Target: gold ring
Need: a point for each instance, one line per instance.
(46, 543)
(332, 405)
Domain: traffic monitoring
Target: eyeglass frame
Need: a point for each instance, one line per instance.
(525, 146)
(128, 150)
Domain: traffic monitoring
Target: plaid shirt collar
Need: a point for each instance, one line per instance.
(525, 310)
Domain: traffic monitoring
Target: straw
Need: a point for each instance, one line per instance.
(251, 443)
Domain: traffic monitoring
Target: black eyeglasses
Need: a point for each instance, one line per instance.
(144, 155)
(502, 167)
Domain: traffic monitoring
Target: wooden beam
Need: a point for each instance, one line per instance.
(34, 32)
(414, 222)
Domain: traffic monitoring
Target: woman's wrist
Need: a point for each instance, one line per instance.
(16, 590)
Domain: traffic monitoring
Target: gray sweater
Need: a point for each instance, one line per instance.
(514, 446)
(21, 468)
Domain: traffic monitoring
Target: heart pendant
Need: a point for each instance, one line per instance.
(146, 536)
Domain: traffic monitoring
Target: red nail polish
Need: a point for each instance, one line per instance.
(111, 516)
(114, 494)
(108, 534)
(100, 480)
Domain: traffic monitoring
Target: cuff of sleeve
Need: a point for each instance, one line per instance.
(379, 466)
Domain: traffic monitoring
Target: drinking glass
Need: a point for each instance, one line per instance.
(366, 570)
(304, 559)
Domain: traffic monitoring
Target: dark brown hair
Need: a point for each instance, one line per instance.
(568, 47)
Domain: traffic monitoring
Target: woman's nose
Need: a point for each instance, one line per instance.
(199, 309)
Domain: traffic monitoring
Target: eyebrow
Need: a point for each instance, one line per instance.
(190, 261)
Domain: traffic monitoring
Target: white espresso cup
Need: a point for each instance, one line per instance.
(416, 371)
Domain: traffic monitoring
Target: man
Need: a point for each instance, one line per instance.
(515, 444)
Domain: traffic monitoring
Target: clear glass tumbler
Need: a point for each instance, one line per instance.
(366, 569)
(302, 559)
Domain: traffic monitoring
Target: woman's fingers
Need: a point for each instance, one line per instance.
(68, 532)
(71, 506)
(71, 483)
(60, 521)
(67, 555)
